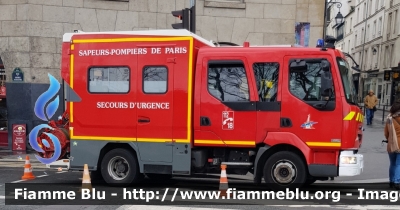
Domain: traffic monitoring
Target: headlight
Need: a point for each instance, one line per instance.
(348, 160)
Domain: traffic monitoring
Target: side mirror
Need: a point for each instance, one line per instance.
(298, 66)
(326, 84)
(325, 65)
(356, 68)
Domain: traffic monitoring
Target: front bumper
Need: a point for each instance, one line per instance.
(350, 169)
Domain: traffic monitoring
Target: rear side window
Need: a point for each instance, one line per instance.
(266, 75)
(228, 81)
(155, 79)
(109, 80)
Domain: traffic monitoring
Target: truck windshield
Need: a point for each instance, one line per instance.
(347, 79)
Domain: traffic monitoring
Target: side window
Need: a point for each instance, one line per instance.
(266, 75)
(155, 79)
(109, 80)
(228, 81)
(311, 83)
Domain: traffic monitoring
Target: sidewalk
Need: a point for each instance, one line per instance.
(17, 156)
(380, 115)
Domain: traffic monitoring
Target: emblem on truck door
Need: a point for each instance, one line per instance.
(308, 124)
(227, 120)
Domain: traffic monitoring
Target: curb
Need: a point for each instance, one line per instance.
(16, 160)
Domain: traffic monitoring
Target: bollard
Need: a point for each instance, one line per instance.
(364, 111)
(383, 114)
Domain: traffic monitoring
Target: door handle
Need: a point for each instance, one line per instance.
(205, 121)
(143, 119)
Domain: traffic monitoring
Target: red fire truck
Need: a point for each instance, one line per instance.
(169, 103)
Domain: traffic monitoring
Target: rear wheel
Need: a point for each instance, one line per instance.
(285, 170)
(120, 167)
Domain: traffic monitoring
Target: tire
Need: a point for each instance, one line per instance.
(127, 172)
(310, 180)
(285, 170)
(96, 177)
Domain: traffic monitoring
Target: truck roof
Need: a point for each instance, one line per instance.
(287, 49)
(167, 32)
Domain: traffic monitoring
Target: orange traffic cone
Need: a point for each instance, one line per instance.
(28, 170)
(86, 182)
(223, 182)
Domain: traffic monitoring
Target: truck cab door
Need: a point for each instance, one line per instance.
(311, 100)
(155, 109)
(227, 116)
(267, 73)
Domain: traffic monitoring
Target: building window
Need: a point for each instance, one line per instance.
(392, 61)
(374, 29)
(266, 75)
(328, 14)
(365, 11)
(365, 58)
(380, 26)
(376, 5)
(362, 35)
(155, 79)
(367, 33)
(351, 24)
(339, 32)
(109, 80)
(389, 26)
(387, 54)
(348, 46)
(355, 41)
(228, 82)
(370, 7)
(395, 22)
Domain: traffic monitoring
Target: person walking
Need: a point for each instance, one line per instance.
(392, 134)
(370, 101)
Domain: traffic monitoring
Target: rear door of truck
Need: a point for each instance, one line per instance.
(105, 79)
(155, 91)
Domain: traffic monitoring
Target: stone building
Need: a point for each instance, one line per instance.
(31, 34)
(372, 37)
(32, 30)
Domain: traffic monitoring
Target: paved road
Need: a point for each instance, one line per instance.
(376, 164)
(52, 178)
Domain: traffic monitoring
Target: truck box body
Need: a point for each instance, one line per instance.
(176, 104)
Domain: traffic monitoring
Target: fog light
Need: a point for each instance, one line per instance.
(348, 160)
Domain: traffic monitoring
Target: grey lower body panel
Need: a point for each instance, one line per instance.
(164, 158)
(323, 170)
(153, 157)
(85, 152)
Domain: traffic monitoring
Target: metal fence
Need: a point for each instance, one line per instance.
(384, 108)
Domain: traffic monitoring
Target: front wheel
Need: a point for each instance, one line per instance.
(285, 170)
(120, 167)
